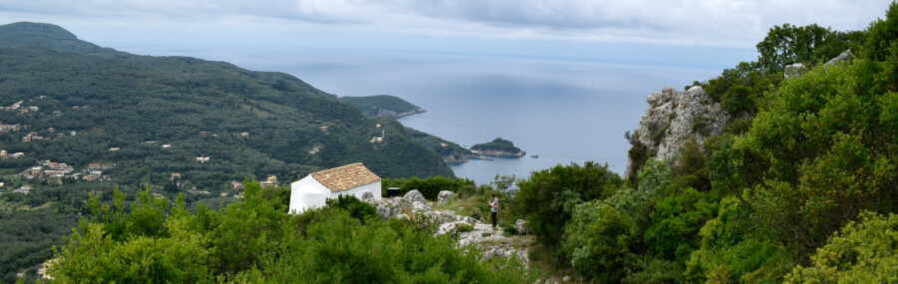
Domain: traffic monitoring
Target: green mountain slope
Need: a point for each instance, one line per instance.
(161, 113)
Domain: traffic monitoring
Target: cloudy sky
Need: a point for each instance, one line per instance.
(733, 23)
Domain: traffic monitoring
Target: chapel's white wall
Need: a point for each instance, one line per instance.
(307, 193)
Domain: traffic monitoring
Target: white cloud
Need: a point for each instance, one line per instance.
(707, 22)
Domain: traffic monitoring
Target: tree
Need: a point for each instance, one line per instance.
(598, 239)
(788, 44)
(549, 197)
(862, 252)
(675, 223)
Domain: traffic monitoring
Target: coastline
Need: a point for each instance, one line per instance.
(409, 113)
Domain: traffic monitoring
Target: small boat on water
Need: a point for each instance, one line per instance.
(534, 156)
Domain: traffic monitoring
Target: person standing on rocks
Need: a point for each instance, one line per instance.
(494, 210)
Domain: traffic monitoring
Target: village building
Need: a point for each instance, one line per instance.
(271, 181)
(31, 136)
(55, 173)
(32, 172)
(25, 189)
(58, 166)
(314, 190)
(100, 166)
(8, 127)
(236, 185)
(14, 106)
(93, 176)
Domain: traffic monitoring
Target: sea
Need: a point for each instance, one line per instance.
(564, 106)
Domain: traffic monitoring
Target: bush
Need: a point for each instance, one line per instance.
(598, 239)
(356, 208)
(431, 187)
(862, 252)
(675, 222)
(549, 197)
(464, 228)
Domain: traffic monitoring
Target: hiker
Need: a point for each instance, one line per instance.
(494, 209)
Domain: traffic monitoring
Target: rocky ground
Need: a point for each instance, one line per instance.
(467, 230)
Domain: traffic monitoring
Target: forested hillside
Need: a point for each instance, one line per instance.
(248, 123)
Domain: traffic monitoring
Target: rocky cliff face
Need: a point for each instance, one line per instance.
(673, 118)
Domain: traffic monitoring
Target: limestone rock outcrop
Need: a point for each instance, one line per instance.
(674, 117)
(445, 196)
(844, 56)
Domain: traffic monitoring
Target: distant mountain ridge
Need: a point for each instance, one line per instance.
(53, 37)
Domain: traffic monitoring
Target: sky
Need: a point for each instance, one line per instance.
(259, 33)
(421, 24)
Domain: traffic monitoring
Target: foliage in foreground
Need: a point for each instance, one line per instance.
(863, 252)
(254, 240)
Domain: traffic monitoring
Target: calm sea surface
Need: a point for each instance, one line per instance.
(563, 111)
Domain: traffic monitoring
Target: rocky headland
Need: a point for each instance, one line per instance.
(498, 148)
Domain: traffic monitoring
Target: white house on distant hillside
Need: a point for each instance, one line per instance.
(315, 189)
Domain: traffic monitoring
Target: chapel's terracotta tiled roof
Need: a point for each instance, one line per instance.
(345, 177)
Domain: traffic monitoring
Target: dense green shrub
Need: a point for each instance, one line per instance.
(547, 200)
(675, 222)
(598, 240)
(862, 252)
(357, 209)
(733, 247)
